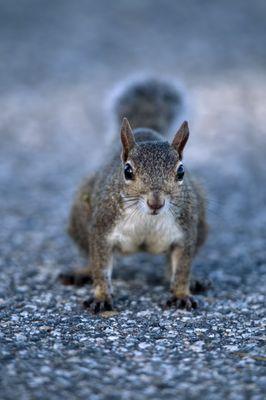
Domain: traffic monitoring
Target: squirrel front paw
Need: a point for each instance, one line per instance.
(185, 302)
(96, 305)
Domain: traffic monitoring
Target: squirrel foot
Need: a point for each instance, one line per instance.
(74, 278)
(96, 306)
(183, 302)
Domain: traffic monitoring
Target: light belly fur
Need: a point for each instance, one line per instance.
(152, 233)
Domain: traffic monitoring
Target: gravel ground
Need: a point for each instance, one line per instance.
(58, 63)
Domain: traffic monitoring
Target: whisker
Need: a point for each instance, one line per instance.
(174, 204)
(128, 198)
(173, 211)
(130, 201)
(130, 205)
(132, 214)
(187, 194)
(135, 212)
(209, 201)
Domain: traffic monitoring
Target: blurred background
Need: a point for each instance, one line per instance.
(59, 63)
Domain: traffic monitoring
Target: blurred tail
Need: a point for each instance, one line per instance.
(149, 103)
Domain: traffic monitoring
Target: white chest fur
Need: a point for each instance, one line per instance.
(152, 233)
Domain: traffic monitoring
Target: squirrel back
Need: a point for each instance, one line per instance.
(149, 103)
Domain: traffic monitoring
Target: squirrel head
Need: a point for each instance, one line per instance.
(153, 171)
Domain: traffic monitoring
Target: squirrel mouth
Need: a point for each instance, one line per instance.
(155, 212)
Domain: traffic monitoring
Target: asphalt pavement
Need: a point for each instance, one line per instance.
(59, 62)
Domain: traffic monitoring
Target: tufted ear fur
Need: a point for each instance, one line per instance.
(181, 138)
(127, 139)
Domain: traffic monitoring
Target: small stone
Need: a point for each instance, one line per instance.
(20, 337)
(144, 345)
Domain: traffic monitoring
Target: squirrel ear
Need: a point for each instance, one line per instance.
(127, 138)
(181, 138)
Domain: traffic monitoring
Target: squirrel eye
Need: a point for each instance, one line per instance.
(128, 171)
(180, 172)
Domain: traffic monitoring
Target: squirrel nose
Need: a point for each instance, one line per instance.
(155, 204)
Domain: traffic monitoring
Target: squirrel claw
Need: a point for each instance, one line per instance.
(96, 306)
(184, 302)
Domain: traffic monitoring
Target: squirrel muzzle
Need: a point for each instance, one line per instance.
(155, 202)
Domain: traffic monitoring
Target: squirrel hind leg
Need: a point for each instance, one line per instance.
(80, 216)
(198, 286)
(98, 305)
(79, 277)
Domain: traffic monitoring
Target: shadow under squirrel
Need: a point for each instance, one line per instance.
(142, 198)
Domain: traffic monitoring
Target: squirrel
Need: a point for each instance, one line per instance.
(141, 198)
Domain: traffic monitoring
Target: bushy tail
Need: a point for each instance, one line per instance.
(149, 103)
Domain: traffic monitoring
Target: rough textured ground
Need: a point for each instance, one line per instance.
(58, 62)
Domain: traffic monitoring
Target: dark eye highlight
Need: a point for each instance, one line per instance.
(180, 172)
(128, 171)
